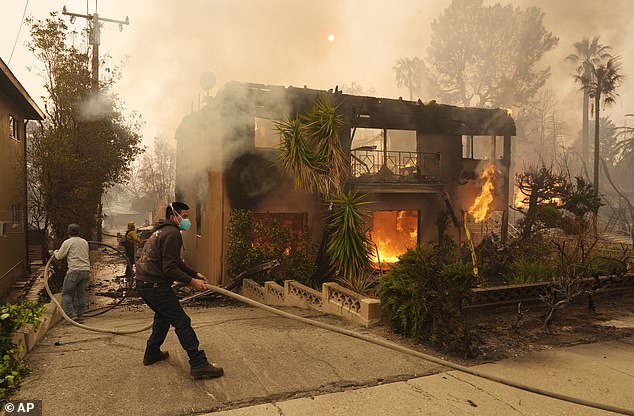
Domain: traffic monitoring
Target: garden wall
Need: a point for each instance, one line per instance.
(333, 299)
(336, 300)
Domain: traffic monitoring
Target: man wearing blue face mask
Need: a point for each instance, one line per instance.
(159, 266)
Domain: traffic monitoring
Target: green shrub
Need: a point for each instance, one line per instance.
(531, 271)
(494, 261)
(12, 318)
(239, 254)
(55, 282)
(253, 241)
(608, 265)
(423, 294)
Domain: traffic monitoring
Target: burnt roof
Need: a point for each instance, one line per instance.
(10, 85)
(269, 101)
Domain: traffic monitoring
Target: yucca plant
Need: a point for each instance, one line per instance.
(311, 153)
(322, 126)
(349, 247)
(311, 149)
(296, 156)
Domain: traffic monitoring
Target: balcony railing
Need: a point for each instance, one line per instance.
(392, 166)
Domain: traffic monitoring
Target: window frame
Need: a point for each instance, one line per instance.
(14, 129)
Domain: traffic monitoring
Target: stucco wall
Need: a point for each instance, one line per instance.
(200, 183)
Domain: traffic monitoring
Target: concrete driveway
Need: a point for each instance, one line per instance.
(266, 358)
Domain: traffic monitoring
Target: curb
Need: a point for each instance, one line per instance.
(28, 337)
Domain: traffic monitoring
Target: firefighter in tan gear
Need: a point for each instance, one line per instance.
(130, 241)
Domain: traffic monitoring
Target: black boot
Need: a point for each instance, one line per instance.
(206, 371)
(149, 360)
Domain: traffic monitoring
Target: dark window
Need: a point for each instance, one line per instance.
(199, 215)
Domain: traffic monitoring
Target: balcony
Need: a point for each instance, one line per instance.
(371, 166)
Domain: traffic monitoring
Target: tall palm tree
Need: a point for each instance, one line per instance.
(587, 53)
(408, 74)
(601, 80)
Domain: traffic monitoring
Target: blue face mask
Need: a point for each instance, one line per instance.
(184, 224)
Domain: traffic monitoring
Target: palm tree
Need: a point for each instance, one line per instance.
(408, 74)
(587, 53)
(601, 81)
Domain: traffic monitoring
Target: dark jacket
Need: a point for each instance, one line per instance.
(160, 259)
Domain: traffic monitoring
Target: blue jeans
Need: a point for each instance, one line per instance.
(74, 287)
(168, 312)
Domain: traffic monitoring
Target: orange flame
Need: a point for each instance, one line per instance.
(480, 208)
(394, 232)
(521, 201)
(518, 201)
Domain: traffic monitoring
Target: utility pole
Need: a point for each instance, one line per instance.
(95, 40)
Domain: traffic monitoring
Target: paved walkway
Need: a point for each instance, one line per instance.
(276, 366)
(602, 372)
(266, 358)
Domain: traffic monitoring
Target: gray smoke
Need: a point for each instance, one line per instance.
(571, 20)
(285, 42)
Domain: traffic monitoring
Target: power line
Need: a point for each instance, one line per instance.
(19, 30)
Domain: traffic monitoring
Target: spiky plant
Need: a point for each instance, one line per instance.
(311, 149)
(349, 246)
(311, 153)
(296, 156)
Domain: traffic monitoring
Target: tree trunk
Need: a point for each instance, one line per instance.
(623, 196)
(597, 101)
(99, 222)
(323, 271)
(585, 142)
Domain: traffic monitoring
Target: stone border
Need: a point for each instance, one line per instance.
(333, 299)
(28, 337)
(528, 292)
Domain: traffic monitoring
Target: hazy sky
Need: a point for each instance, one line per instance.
(285, 42)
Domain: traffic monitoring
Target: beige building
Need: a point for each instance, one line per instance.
(421, 164)
(16, 108)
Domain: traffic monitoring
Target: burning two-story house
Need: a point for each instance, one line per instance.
(421, 163)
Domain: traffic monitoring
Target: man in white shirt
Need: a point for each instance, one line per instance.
(75, 250)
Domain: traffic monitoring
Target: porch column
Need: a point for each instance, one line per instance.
(506, 187)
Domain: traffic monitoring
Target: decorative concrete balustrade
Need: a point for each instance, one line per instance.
(333, 299)
(253, 290)
(296, 294)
